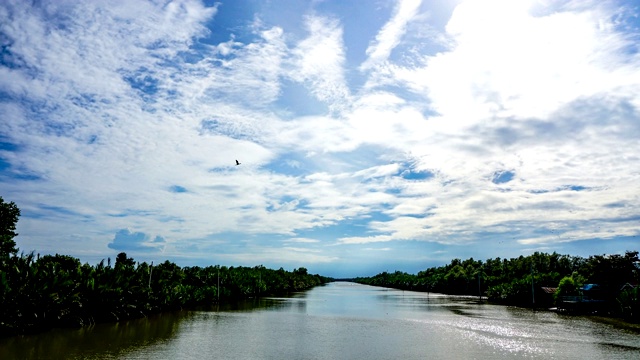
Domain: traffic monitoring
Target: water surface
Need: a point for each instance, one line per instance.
(342, 321)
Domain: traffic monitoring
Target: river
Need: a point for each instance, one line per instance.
(342, 321)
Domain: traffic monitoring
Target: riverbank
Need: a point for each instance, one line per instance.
(536, 280)
(613, 319)
(40, 293)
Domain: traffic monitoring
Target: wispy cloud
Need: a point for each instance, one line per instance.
(391, 33)
(318, 61)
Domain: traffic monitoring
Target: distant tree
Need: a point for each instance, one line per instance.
(567, 286)
(124, 262)
(457, 280)
(300, 271)
(9, 214)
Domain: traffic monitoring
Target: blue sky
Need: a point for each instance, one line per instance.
(373, 135)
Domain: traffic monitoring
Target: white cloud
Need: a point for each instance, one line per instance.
(391, 34)
(280, 255)
(302, 240)
(505, 62)
(318, 61)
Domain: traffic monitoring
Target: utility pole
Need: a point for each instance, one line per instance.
(150, 272)
(479, 289)
(533, 293)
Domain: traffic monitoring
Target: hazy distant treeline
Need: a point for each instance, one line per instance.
(41, 292)
(517, 281)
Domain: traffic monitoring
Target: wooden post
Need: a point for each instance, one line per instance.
(150, 272)
(533, 291)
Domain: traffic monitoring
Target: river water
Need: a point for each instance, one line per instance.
(342, 321)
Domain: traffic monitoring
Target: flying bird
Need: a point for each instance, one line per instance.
(237, 163)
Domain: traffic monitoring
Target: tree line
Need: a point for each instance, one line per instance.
(519, 281)
(42, 292)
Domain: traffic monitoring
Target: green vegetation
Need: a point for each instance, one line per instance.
(42, 292)
(517, 281)
(567, 287)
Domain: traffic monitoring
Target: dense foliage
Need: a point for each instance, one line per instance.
(9, 214)
(519, 281)
(41, 292)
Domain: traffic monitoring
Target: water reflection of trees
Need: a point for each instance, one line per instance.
(101, 339)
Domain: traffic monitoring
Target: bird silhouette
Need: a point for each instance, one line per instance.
(237, 163)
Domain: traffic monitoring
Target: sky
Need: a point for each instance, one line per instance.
(372, 135)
